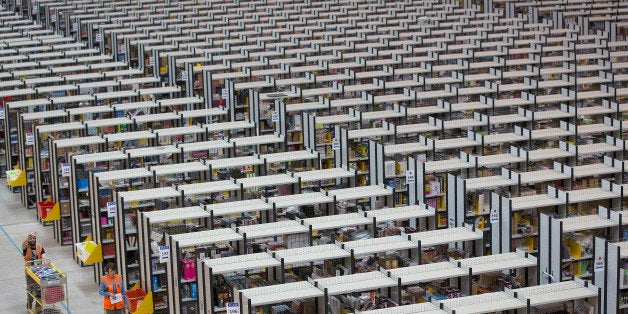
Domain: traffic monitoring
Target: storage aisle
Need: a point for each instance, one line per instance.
(16, 223)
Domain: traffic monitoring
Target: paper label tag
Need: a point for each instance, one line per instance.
(164, 253)
(151, 61)
(122, 49)
(65, 170)
(233, 308)
(494, 215)
(184, 75)
(74, 27)
(599, 264)
(409, 176)
(335, 144)
(1, 113)
(451, 222)
(112, 209)
(98, 37)
(225, 93)
(275, 116)
(30, 138)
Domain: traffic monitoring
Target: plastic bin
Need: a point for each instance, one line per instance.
(43, 208)
(135, 296)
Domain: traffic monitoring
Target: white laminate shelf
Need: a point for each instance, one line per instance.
(588, 222)
(272, 229)
(129, 136)
(60, 127)
(337, 221)
(148, 194)
(301, 290)
(401, 213)
(43, 115)
(237, 207)
(289, 156)
(416, 128)
(268, 180)
(452, 164)
(234, 162)
(72, 99)
(367, 133)
(454, 143)
(311, 254)
(593, 170)
(360, 192)
(182, 213)
(88, 110)
(202, 113)
(206, 237)
(554, 293)
(181, 101)
(425, 110)
(208, 187)
(492, 139)
(497, 262)
(426, 273)
(498, 159)
(355, 283)
(228, 126)
(538, 176)
(550, 153)
(404, 148)
(152, 151)
(99, 157)
(79, 141)
(157, 117)
(549, 133)
(591, 194)
(193, 166)
(487, 183)
(240, 263)
(379, 245)
(445, 236)
(418, 308)
(207, 145)
(135, 105)
(27, 103)
(336, 119)
(324, 174)
(123, 174)
(597, 148)
(299, 199)
(183, 130)
(108, 122)
(483, 303)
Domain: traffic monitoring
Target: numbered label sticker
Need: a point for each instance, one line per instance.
(409, 176)
(335, 144)
(275, 116)
(233, 308)
(494, 215)
(164, 253)
(112, 209)
(65, 170)
(30, 139)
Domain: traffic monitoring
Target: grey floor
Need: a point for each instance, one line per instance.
(16, 222)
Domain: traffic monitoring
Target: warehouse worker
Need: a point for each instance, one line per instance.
(32, 252)
(112, 288)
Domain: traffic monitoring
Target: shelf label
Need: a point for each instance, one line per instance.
(233, 308)
(184, 75)
(599, 264)
(112, 208)
(452, 224)
(164, 253)
(122, 48)
(65, 170)
(74, 27)
(2, 114)
(225, 93)
(98, 37)
(335, 144)
(494, 215)
(151, 61)
(275, 116)
(409, 176)
(30, 138)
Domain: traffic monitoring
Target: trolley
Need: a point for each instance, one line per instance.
(46, 289)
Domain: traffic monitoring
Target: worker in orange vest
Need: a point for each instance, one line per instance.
(112, 288)
(32, 253)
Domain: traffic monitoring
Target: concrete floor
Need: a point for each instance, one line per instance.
(15, 223)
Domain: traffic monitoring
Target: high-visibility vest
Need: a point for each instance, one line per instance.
(112, 286)
(28, 256)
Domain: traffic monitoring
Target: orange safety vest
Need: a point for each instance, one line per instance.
(28, 257)
(110, 285)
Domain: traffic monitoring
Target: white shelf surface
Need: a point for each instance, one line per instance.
(588, 222)
(281, 293)
(182, 213)
(355, 283)
(194, 166)
(324, 174)
(445, 236)
(336, 119)
(497, 262)
(272, 229)
(373, 132)
(483, 303)
(123, 174)
(60, 127)
(202, 113)
(550, 153)
(404, 148)
(593, 170)
(419, 308)
(299, 199)
(207, 145)
(79, 141)
(454, 143)
(192, 129)
(156, 117)
(534, 201)
(256, 140)
(538, 176)
(152, 151)
(129, 136)
(134, 105)
(360, 192)
(488, 183)
(227, 126)
(289, 156)
(311, 254)
(241, 263)
(554, 293)
(269, 180)
(88, 110)
(108, 122)
(401, 213)
(426, 273)
(99, 157)
(591, 194)
(148, 194)
(337, 221)
(237, 207)
(180, 101)
(379, 245)
(498, 159)
(234, 162)
(43, 115)
(206, 237)
(208, 187)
